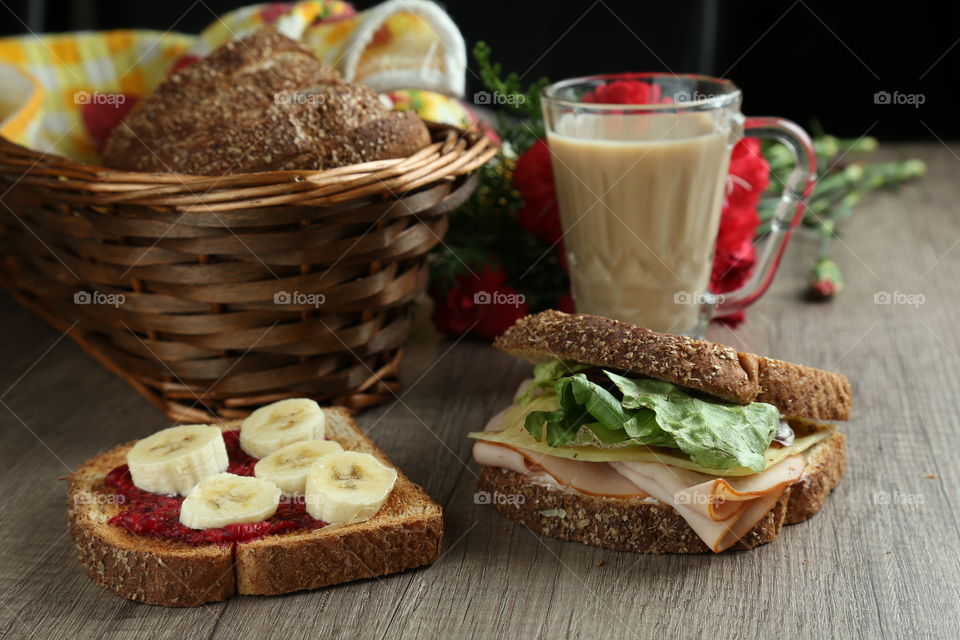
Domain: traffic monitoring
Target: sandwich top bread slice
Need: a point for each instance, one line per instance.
(188, 515)
(640, 441)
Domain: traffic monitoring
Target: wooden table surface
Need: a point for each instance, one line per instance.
(881, 560)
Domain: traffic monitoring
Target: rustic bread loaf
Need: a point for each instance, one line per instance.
(706, 366)
(406, 533)
(258, 104)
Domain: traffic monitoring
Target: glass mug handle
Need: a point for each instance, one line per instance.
(786, 216)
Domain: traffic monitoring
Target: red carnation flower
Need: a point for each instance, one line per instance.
(734, 259)
(533, 178)
(483, 304)
(735, 256)
(540, 215)
(825, 280)
(625, 92)
(749, 174)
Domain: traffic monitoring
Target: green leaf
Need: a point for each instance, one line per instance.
(714, 434)
(586, 404)
(597, 434)
(545, 374)
(536, 419)
(577, 394)
(491, 74)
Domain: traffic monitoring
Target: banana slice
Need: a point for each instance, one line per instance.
(173, 460)
(288, 467)
(225, 498)
(348, 487)
(276, 425)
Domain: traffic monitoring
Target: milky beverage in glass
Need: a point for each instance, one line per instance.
(640, 199)
(640, 189)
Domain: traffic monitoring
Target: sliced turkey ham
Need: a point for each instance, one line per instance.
(592, 478)
(720, 510)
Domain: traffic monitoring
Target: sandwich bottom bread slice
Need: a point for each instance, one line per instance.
(132, 541)
(640, 441)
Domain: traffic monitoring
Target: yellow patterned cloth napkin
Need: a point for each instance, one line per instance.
(65, 93)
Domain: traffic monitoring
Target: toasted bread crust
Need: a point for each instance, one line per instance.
(652, 527)
(804, 391)
(706, 366)
(143, 569)
(293, 563)
(406, 533)
(825, 465)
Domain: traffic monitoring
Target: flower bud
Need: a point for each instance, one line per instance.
(825, 280)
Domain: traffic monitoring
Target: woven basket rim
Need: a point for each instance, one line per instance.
(453, 152)
(390, 214)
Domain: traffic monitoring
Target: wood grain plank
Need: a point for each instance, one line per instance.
(77, 409)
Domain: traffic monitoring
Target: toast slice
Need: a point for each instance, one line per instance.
(406, 533)
(712, 368)
(643, 526)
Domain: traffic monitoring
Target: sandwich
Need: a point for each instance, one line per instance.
(294, 497)
(634, 440)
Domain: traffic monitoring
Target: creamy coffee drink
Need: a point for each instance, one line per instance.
(640, 198)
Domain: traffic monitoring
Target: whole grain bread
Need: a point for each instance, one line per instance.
(257, 104)
(708, 367)
(653, 527)
(406, 533)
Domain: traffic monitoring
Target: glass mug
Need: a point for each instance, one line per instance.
(640, 189)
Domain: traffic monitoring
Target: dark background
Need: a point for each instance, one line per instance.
(802, 59)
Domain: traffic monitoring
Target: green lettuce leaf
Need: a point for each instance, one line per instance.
(716, 435)
(545, 375)
(585, 403)
(577, 407)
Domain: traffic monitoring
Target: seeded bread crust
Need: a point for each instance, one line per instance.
(653, 527)
(406, 533)
(709, 367)
(263, 103)
(143, 569)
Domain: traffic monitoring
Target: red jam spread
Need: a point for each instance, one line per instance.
(158, 516)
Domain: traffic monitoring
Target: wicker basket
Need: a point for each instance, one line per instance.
(212, 296)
